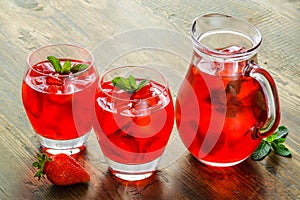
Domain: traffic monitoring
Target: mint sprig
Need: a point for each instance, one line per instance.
(67, 67)
(275, 142)
(128, 84)
(55, 63)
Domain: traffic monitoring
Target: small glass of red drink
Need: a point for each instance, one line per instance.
(227, 103)
(59, 104)
(135, 117)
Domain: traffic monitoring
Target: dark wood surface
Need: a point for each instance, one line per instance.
(26, 25)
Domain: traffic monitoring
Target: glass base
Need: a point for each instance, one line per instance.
(69, 147)
(132, 172)
(215, 164)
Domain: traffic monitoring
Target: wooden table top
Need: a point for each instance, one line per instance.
(98, 25)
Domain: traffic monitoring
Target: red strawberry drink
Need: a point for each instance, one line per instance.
(134, 120)
(237, 103)
(227, 103)
(59, 101)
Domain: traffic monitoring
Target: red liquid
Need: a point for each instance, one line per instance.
(217, 114)
(59, 107)
(135, 130)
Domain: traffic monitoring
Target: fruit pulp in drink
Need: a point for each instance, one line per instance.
(133, 128)
(59, 107)
(219, 110)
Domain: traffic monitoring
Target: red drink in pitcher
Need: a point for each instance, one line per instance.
(135, 128)
(237, 103)
(227, 103)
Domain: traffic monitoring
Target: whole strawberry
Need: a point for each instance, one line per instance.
(60, 169)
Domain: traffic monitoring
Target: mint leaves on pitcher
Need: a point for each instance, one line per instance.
(128, 84)
(275, 142)
(67, 66)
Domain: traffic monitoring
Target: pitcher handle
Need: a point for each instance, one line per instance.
(266, 81)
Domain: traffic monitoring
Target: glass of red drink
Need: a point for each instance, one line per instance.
(59, 104)
(227, 103)
(135, 117)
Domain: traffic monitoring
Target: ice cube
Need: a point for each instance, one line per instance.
(36, 81)
(68, 87)
(233, 49)
(45, 68)
(140, 105)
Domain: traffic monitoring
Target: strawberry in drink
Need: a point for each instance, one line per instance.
(58, 97)
(55, 103)
(134, 127)
(218, 113)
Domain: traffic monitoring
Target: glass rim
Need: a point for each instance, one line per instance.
(57, 74)
(165, 82)
(213, 52)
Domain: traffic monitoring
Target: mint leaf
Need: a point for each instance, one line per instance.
(260, 101)
(282, 132)
(55, 63)
(272, 137)
(142, 84)
(121, 83)
(132, 82)
(281, 149)
(262, 151)
(128, 84)
(66, 67)
(233, 88)
(280, 140)
(275, 141)
(78, 68)
(116, 80)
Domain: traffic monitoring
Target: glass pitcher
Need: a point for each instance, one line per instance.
(227, 103)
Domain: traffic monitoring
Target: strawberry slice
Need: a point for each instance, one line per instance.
(51, 80)
(146, 93)
(60, 169)
(143, 93)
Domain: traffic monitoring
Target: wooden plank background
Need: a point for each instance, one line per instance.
(26, 25)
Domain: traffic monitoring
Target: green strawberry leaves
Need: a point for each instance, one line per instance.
(275, 142)
(40, 164)
(128, 84)
(67, 66)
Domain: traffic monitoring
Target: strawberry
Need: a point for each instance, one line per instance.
(60, 169)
